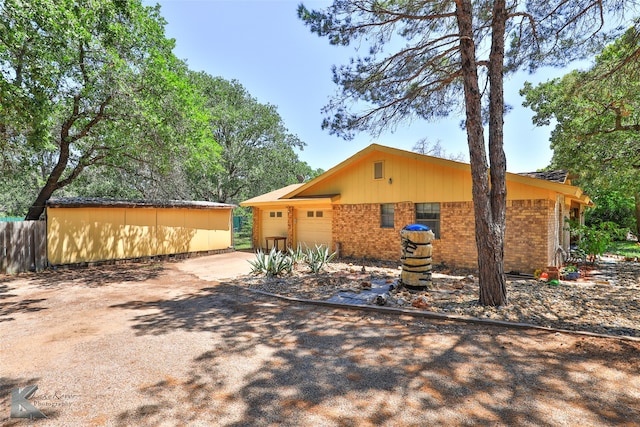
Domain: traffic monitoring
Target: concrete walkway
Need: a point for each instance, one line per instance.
(218, 267)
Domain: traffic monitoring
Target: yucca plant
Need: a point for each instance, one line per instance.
(273, 264)
(318, 258)
(297, 255)
(258, 265)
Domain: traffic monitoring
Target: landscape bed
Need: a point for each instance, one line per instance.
(603, 302)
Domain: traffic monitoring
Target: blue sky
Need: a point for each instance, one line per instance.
(263, 45)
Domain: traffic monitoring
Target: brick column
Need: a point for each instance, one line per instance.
(291, 226)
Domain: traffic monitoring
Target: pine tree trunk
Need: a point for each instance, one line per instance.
(489, 216)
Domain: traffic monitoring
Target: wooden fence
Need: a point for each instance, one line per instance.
(23, 246)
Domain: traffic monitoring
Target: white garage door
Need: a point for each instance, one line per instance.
(314, 227)
(274, 224)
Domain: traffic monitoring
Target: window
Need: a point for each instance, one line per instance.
(386, 215)
(378, 170)
(319, 214)
(309, 214)
(275, 214)
(279, 214)
(429, 215)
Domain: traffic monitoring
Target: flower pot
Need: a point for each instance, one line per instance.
(553, 273)
(572, 275)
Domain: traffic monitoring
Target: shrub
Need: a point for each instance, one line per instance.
(594, 240)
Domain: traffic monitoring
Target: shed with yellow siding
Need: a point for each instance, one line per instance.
(90, 230)
(366, 200)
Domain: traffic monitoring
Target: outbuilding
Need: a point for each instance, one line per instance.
(82, 230)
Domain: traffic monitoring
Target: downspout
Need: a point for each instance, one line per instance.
(559, 254)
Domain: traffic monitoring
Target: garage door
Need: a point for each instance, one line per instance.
(314, 227)
(274, 223)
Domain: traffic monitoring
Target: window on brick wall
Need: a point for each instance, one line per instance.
(386, 215)
(429, 214)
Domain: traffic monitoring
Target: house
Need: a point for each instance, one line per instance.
(81, 230)
(359, 207)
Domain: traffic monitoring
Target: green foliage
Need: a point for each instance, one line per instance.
(86, 84)
(612, 206)
(317, 258)
(413, 64)
(597, 116)
(273, 264)
(594, 240)
(257, 151)
(625, 248)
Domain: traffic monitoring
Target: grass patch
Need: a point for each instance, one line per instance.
(241, 240)
(625, 248)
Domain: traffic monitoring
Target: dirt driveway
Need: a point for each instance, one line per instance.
(173, 344)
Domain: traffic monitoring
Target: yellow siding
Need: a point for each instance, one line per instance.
(404, 179)
(407, 179)
(78, 235)
(140, 235)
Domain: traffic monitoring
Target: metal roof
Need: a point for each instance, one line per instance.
(88, 202)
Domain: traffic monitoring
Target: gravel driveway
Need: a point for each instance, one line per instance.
(163, 344)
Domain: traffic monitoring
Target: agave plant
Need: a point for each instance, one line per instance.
(318, 258)
(273, 264)
(297, 255)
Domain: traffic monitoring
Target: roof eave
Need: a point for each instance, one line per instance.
(294, 201)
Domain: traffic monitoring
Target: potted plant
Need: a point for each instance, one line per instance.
(569, 272)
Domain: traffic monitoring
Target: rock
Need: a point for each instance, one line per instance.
(381, 299)
(419, 303)
(401, 301)
(365, 285)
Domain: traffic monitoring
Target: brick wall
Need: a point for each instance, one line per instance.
(357, 229)
(528, 234)
(457, 244)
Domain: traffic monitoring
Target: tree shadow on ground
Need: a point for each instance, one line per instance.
(277, 363)
(97, 276)
(9, 308)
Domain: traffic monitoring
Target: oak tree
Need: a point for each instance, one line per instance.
(87, 83)
(257, 152)
(597, 120)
